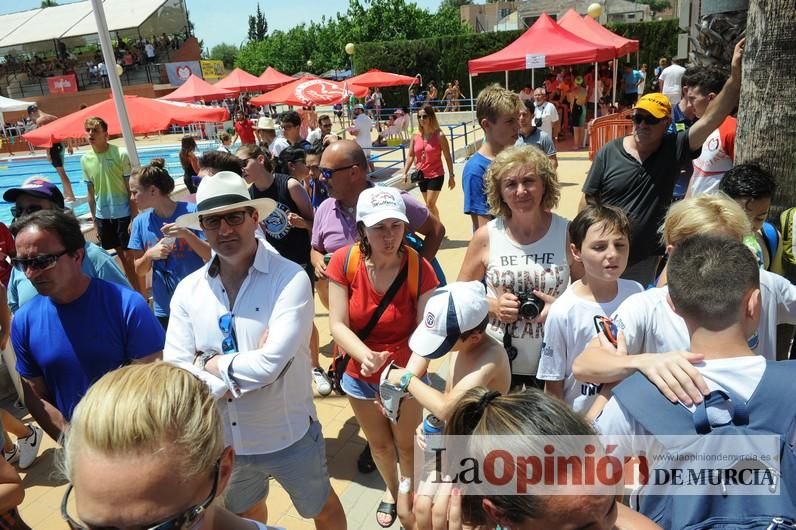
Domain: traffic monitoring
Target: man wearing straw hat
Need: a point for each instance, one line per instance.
(221, 316)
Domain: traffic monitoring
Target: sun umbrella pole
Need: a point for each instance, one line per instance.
(507, 79)
(113, 78)
(596, 80)
(616, 65)
(472, 96)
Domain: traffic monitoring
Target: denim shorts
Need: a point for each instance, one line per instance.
(300, 469)
(359, 389)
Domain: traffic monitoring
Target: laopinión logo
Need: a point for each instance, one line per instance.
(603, 465)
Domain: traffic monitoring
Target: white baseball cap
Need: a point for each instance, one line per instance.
(378, 203)
(451, 310)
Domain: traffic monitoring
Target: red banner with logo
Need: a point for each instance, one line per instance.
(61, 84)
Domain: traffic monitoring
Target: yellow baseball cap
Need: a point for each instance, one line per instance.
(656, 104)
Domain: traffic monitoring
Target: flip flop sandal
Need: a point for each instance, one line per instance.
(390, 395)
(387, 508)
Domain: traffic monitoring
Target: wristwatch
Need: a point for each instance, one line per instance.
(404, 383)
(204, 357)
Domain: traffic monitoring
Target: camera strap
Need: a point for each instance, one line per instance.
(511, 351)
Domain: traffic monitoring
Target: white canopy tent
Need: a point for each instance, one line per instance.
(74, 20)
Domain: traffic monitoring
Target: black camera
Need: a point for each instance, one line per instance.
(530, 305)
(537, 122)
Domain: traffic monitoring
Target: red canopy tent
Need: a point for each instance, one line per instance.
(376, 78)
(195, 89)
(590, 29)
(545, 43)
(146, 115)
(310, 91)
(273, 78)
(240, 81)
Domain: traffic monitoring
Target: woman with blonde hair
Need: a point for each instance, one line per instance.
(523, 253)
(487, 416)
(145, 449)
(426, 151)
(657, 338)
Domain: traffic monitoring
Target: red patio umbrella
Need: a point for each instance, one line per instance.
(146, 115)
(273, 78)
(195, 89)
(240, 81)
(376, 78)
(309, 91)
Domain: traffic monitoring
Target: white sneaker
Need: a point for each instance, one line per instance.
(322, 382)
(12, 457)
(29, 447)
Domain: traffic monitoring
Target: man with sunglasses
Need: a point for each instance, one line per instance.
(242, 324)
(35, 194)
(78, 328)
(637, 173)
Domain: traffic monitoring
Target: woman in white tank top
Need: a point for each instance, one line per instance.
(522, 253)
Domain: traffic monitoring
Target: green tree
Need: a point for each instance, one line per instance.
(225, 52)
(455, 4)
(258, 26)
(48, 3)
(656, 5)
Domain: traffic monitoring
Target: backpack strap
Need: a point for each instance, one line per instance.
(351, 264)
(413, 278)
(649, 407)
(770, 238)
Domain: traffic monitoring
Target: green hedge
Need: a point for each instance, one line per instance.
(445, 58)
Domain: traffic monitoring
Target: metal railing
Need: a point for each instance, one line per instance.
(378, 154)
(469, 131)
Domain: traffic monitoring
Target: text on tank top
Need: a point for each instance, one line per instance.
(291, 243)
(512, 267)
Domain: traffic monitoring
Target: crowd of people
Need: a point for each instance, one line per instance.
(187, 409)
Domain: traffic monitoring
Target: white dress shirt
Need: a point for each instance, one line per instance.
(265, 393)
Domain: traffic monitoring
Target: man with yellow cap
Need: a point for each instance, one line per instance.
(637, 173)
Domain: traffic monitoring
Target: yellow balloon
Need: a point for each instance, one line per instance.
(595, 10)
(119, 69)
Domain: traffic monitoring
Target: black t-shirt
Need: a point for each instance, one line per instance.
(642, 190)
(291, 243)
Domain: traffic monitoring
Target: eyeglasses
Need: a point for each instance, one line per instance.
(328, 172)
(649, 119)
(19, 212)
(422, 116)
(229, 344)
(39, 263)
(182, 520)
(212, 222)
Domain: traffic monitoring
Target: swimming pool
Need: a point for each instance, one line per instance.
(13, 172)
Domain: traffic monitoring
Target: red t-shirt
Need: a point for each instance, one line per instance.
(397, 322)
(6, 247)
(245, 131)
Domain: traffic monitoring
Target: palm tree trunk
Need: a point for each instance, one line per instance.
(767, 115)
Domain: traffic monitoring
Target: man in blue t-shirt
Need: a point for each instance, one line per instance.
(497, 111)
(38, 193)
(630, 80)
(78, 328)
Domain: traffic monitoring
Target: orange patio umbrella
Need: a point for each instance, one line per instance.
(146, 115)
(310, 91)
(376, 78)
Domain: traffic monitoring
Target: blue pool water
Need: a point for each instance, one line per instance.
(13, 172)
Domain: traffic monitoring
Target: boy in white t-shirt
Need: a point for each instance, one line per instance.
(714, 286)
(599, 238)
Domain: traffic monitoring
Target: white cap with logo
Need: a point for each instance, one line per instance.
(451, 310)
(378, 203)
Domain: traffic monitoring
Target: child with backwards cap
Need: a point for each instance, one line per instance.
(455, 319)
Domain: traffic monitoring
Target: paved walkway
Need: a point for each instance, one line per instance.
(360, 494)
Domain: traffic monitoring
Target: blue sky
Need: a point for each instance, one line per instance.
(227, 20)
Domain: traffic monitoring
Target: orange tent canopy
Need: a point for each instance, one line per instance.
(240, 81)
(376, 78)
(273, 78)
(195, 89)
(591, 30)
